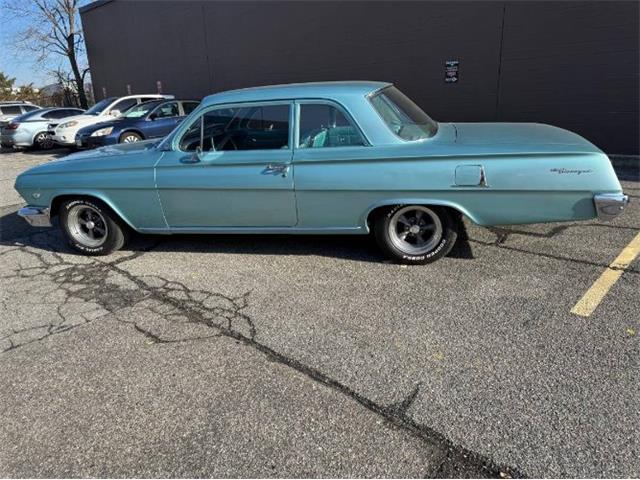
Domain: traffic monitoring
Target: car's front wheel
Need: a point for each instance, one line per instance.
(130, 137)
(91, 227)
(416, 233)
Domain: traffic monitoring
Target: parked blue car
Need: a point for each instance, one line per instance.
(30, 129)
(336, 158)
(154, 119)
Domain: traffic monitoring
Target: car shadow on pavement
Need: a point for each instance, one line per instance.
(361, 248)
(55, 153)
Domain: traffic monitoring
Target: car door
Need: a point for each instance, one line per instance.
(331, 166)
(162, 120)
(230, 167)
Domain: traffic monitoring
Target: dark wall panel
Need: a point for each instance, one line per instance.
(569, 63)
(138, 43)
(406, 43)
(575, 65)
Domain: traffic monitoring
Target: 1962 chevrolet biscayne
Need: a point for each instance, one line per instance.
(336, 157)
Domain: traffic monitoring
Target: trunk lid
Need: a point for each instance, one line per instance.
(522, 137)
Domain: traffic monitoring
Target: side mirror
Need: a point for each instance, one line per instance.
(114, 113)
(153, 116)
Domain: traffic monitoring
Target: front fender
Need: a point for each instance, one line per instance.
(55, 201)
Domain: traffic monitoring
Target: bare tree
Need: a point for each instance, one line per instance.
(54, 28)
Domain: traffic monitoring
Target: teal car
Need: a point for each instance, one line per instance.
(323, 158)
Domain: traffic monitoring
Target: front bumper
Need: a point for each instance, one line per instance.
(87, 141)
(64, 137)
(36, 216)
(610, 205)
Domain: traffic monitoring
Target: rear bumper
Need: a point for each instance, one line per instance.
(36, 216)
(610, 205)
(7, 140)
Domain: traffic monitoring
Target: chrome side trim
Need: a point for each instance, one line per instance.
(610, 205)
(36, 216)
(259, 230)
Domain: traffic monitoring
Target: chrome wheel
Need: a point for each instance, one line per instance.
(87, 225)
(43, 141)
(415, 230)
(130, 138)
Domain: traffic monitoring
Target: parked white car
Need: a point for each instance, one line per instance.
(11, 109)
(64, 133)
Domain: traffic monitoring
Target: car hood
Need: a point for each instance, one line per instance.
(113, 157)
(521, 137)
(84, 120)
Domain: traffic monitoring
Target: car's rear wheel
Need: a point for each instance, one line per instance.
(416, 233)
(130, 137)
(91, 227)
(43, 141)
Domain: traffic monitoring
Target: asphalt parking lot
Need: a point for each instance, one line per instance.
(263, 356)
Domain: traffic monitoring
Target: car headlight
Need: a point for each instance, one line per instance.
(102, 132)
(68, 124)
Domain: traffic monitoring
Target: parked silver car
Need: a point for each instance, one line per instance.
(30, 129)
(9, 109)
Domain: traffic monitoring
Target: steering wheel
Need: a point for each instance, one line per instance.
(227, 140)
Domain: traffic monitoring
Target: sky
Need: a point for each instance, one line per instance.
(21, 64)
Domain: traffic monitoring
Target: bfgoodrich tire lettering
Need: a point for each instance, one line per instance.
(416, 234)
(90, 227)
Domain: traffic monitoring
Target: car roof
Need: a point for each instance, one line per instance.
(150, 95)
(296, 90)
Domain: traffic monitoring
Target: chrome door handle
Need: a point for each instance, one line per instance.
(276, 168)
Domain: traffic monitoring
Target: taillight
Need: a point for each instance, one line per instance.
(12, 126)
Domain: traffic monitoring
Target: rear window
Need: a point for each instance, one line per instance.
(402, 116)
(26, 116)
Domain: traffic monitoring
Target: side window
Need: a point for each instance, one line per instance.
(30, 108)
(167, 110)
(62, 113)
(264, 127)
(149, 99)
(325, 126)
(11, 110)
(189, 107)
(124, 105)
(53, 114)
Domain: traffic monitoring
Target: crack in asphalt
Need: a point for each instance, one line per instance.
(95, 289)
(108, 289)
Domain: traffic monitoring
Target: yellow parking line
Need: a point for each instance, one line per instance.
(590, 300)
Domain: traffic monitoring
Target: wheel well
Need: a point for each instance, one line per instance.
(59, 200)
(131, 130)
(376, 212)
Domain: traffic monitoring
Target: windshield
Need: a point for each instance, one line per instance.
(402, 116)
(98, 108)
(141, 110)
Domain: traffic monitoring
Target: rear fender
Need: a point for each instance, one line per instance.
(416, 201)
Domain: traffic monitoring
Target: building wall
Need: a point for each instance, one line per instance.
(572, 64)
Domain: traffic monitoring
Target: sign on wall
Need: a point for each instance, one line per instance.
(451, 71)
